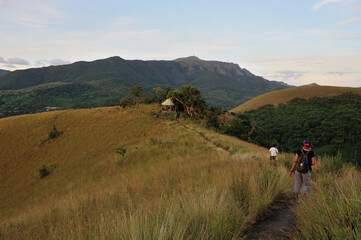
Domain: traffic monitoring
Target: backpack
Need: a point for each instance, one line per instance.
(302, 165)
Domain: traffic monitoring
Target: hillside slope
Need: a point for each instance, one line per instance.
(175, 181)
(103, 82)
(283, 96)
(179, 169)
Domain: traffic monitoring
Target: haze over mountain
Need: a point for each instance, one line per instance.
(104, 82)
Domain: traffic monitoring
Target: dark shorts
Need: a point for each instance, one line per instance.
(272, 158)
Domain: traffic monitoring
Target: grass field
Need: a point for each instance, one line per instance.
(175, 181)
(283, 96)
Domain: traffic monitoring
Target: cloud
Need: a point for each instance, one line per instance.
(331, 35)
(9, 66)
(18, 61)
(323, 2)
(287, 75)
(14, 61)
(1, 2)
(350, 37)
(54, 62)
(35, 14)
(341, 73)
(348, 22)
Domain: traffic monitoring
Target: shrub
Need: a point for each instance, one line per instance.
(121, 150)
(45, 171)
(53, 134)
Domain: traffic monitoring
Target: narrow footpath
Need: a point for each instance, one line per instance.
(277, 223)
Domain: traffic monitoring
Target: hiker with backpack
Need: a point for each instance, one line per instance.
(302, 166)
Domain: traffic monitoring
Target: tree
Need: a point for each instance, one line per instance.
(161, 93)
(191, 100)
(138, 92)
(124, 102)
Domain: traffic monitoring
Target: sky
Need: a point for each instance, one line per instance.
(295, 41)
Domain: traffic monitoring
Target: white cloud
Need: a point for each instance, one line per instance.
(34, 14)
(9, 66)
(287, 75)
(341, 73)
(323, 2)
(333, 34)
(14, 61)
(349, 22)
(54, 62)
(18, 61)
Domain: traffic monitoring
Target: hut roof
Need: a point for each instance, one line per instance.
(168, 102)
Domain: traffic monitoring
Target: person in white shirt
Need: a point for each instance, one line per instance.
(273, 154)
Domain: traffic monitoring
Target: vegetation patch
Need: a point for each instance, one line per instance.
(53, 134)
(121, 150)
(45, 171)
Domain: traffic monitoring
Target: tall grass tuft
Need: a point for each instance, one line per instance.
(333, 209)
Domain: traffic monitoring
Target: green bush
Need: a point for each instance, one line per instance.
(53, 134)
(121, 150)
(45, 171)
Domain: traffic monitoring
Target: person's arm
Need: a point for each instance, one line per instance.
(294, 164)
(314, 162)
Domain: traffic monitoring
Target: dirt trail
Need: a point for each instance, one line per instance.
(277, 223)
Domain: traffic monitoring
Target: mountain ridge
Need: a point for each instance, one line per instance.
(104, 82)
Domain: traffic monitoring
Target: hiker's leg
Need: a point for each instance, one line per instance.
(298, 184)
(306, 182)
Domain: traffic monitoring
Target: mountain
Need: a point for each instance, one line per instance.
(3, 72)
(284, 96)
(104, 82)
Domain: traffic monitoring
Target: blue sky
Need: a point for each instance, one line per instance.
(295, 41)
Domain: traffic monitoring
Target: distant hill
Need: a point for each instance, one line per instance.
(3, 72)
(104, 82)
(283, 96)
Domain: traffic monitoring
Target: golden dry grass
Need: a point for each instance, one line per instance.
(166, 166)
(176, 181)
(283, 96)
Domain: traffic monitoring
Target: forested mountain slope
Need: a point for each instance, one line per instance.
(104, 82)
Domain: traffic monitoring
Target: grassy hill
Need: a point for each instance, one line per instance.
(104, 82)
(93, 192)
(176, 181)
(284, 96)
